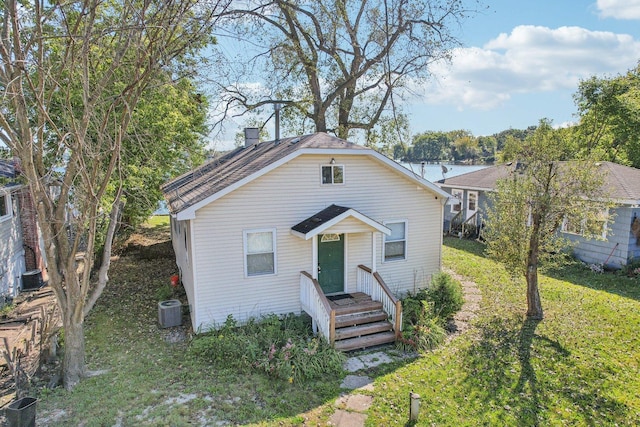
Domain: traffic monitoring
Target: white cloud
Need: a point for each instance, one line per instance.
(532, 59)
(619, 9)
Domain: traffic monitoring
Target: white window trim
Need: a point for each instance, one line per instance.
(459, 204)
(406, 241)
(469, 211)
(245, 253)
(344, 179)
(9, 203)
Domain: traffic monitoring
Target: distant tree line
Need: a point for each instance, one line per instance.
(460, 146)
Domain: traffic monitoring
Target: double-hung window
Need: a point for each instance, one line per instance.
(332, 174)
(260, 252)
(395, 245)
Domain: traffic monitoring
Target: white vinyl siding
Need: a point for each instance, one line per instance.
(259, 252)
(395, 245)
(11, 250)
(283, 198)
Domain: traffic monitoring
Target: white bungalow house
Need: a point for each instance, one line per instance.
(311, 223)
(619, 244)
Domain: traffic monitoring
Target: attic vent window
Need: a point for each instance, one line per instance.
(331, 237)
(332, 174)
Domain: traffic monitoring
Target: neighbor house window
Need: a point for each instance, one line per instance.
(395, 244)
(333, 174)
(5, 206)
(260, 252)
(581, 226)
(456, 203)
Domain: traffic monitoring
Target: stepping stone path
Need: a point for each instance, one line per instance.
(351, 407)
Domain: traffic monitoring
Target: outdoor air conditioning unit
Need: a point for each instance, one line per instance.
(170, 313)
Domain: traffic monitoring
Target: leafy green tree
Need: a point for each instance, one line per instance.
(528, 208)
(466, 148)
(341, 65)
(72, 77)
(609, 111)
(165, 139)
(488, 147)
(431, 146)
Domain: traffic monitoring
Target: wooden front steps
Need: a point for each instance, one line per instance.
(360, 323)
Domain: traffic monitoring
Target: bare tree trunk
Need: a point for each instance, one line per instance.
(73, 362)
(534, 304)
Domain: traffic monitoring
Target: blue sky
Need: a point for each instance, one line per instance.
(521, 61)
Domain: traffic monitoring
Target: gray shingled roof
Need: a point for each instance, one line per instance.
(623, 182)
(216, 175)
(318, 219)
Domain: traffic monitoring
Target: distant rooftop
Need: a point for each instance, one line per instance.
(623, 182)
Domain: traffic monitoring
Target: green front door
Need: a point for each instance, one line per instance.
(331, 263)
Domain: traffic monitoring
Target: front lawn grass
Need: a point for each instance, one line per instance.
(579, 366)
(152, 382)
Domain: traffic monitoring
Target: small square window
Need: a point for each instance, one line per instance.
(333, 174)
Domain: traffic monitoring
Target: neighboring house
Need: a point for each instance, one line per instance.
(276, 227)
(621, 242)
(20, 249)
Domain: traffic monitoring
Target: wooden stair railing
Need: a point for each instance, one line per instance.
(316, 304)
(373, 284)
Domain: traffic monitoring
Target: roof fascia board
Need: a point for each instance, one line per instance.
(466, 187)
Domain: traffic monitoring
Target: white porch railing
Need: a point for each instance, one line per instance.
(317, 306)
(373, 285)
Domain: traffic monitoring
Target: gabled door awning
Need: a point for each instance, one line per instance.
(332, 216)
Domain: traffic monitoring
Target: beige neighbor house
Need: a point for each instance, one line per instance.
(311, 223)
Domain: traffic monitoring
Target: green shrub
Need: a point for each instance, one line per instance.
(446, 295)
(281, 347)
(426, 335)
(425, 313)
(421, 329)
(164, 292)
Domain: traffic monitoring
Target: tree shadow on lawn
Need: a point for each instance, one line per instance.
(573, 271)
(520, 377)
(612, 282)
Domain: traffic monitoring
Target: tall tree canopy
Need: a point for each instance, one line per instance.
(72, 77)
(609, 111)
(528, 208)
(336, 63)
